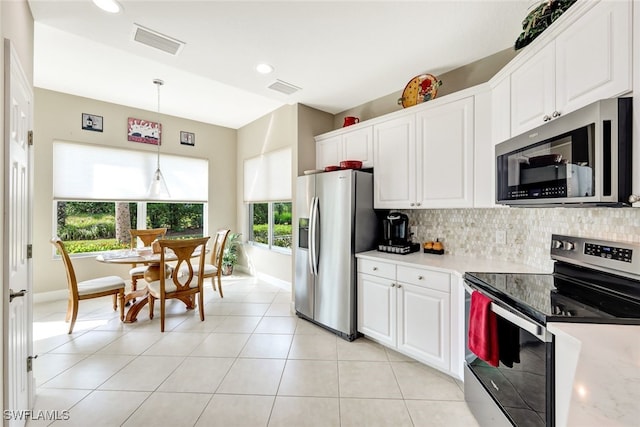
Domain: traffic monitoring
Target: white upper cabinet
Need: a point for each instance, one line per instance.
(394, 153)
(593, 56)
(328, 151)
(589, 60)
(425, 160)
(533, 91)
(445, 136)
(501, 111)
(356, 144)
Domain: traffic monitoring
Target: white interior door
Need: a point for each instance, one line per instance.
(17, 231)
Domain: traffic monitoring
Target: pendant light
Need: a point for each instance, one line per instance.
(158, 187)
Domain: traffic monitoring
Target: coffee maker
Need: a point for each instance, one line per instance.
(396, 234)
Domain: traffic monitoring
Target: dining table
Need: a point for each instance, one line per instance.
(137, 299)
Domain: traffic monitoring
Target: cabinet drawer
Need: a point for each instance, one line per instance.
(377, 268)
(426, 278)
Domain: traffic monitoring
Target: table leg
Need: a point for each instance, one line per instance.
(140, 296)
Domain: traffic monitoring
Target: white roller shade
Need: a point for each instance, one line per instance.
(268, 177)
(94, 172)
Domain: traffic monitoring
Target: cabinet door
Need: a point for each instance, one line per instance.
(533, 91)
(445, 153)
(394, 157)
(377, 308)
(593, 56)
(501, 111)
(358, 145)
(423, 325)
(329, 152)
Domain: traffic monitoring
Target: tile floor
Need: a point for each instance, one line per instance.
(250, 363)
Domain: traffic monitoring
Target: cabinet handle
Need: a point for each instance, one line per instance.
(556, 114)
(420, 277)
(393, 285)
(399, 286)
(546, 118)
(418, 204)
(413, 204)
(375, 269)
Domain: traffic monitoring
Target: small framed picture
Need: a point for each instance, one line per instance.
(91, 122)
(187, 138)
(145, 131)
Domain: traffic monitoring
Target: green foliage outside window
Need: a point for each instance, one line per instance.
(91, 226)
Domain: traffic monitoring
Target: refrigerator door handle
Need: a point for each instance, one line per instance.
(313, 244)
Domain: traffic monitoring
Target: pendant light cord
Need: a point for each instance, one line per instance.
(158, 83)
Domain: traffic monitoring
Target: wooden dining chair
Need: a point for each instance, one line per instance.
(182, 283)
(87, 289)
(147, 237)
(213, 269)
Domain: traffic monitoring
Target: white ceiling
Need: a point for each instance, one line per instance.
(341, 53)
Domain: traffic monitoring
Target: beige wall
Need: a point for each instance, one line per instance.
(16, 24)
(463, 77)
(58, 117)
(274, 131)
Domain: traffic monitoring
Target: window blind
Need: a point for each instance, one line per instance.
(94, 172)
(267, 177)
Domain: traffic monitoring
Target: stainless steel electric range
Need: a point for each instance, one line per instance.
(593, 281)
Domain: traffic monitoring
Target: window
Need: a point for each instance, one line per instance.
(267, 186)
(98, 197)
(90, 227)
(271, 225)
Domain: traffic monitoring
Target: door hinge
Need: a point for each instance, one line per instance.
(30, 362)
(30, 138)
(29, 251)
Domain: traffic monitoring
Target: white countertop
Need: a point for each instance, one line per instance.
(457, 264)
(597, 374)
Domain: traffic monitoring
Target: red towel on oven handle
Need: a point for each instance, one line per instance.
(483, 329)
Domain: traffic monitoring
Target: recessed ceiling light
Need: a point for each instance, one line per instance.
(264, 68)
(111, 6)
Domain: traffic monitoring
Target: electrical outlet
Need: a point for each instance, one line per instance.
(501, 237)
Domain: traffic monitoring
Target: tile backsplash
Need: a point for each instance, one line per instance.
(528, 230)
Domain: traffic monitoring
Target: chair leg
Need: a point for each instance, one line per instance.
(134, 283)
(220, 286)
(213, 282)
(115, 302)
(74, 315)
(151, 301)
(162, 314)
(121, 298)
(69, 309)
(201, 304)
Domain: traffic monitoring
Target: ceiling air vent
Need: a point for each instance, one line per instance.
(156, 40)
(284, 87)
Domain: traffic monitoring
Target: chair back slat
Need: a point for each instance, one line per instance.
(146, 236)
(72, 282)
(218, 248)
(183, 250)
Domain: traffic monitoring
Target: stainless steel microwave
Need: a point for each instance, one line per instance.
(583, 158)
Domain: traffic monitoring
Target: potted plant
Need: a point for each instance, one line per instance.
(230, 254)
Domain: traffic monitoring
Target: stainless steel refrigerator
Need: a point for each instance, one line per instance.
(335, 220)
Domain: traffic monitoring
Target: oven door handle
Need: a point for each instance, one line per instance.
(534, 329)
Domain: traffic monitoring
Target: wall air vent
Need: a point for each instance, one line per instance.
(284, 87)
(156, 40)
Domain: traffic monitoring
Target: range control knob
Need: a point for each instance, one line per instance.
(567, 245)
(556, 244)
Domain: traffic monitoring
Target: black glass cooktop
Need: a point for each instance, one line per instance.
(561, 298)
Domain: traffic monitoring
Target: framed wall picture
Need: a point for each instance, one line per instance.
(91, 122)
(139, 130)
(187, 138)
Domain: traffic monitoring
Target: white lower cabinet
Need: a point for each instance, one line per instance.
(407, 309)
(423, 324)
